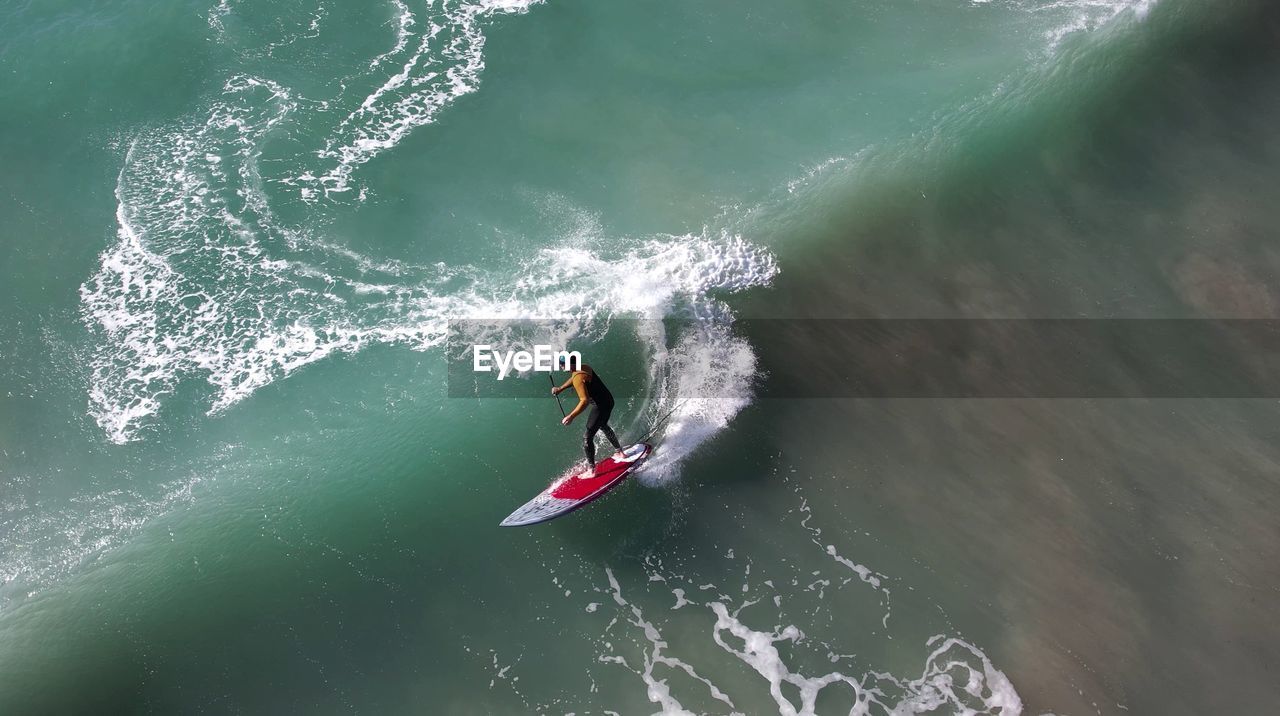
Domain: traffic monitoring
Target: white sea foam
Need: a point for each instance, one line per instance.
(659, 691)
(808, 175)
(728, 641)
(1068, 17)
(444, 64)
(217, 17)
(45, 543)
(425, 76)
(176, 298)
(700, 385)
(956, 677)
(180, 206)
(404, 31)
(204, 283)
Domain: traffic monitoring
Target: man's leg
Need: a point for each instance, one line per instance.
(608, 433)
(589, 440)
(604, 427)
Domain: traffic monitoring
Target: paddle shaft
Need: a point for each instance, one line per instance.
(553, 384)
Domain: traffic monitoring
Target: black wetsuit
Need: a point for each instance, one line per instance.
(598, 418)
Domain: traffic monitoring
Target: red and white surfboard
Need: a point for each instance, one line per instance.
(569, 493)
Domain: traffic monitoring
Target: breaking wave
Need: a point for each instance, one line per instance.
(206, 283)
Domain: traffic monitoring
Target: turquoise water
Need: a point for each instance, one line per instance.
(235, 233)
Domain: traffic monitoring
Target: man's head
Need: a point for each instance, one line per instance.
(569, 361)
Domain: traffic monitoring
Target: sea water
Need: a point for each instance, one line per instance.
(236, 233)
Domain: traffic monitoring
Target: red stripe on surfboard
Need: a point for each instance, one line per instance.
(580, 487)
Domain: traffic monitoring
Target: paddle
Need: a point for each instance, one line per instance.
(553, 384)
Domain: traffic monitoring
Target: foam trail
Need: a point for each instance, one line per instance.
(186, 199)
(658, 690)
(216, 16)
(956, 677)
(983, 688)
(446, 64)
(166, 320)
(1075, 16)
(404, 30)
(760, 653)
(204, 282)
(47, 543)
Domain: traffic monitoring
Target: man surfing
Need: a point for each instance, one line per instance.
(571, 491)
(590, 389)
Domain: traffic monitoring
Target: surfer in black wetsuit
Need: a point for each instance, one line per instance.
(590, 389)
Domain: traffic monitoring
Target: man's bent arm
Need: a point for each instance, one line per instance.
(580, 386)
